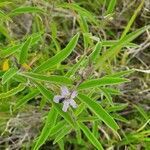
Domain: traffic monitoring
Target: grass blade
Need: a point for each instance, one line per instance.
(114, 50)
(111, 7)
(81, 11)
(127, 28)
(27, 9)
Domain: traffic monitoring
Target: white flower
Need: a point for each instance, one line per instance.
(66, 98)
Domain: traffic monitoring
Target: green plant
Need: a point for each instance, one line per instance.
(89, 76)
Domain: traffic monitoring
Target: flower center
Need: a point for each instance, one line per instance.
(68, 96)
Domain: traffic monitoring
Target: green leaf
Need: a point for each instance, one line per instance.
(35, 37)
(24, 51)
(95, 128)
(50, 122)
(88, 119)
(3, 15)
(94, 55)
(8, 75)
(121, 73)
(3, 3)
(14, 48)
(48, 95)
(117, 107)
(107, 95)
(109, 43)
(27, 9)
(74, 68)
(66, 130)
(119, 118)
(9, 51)
(61, 145)
(51, 78)
(85, 30)
(112, 91)
(131, 21)
(82, 11)
(111, 7)
(26, 98)
(114, 50)
(99, 112)
(101, 82)
(12, 92)
(142, 112)
(79, 109)
(59, 57)
(58, 127)
(19, 78)
(90, 136)
(4, 31)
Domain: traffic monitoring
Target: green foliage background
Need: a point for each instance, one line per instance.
(98, 48)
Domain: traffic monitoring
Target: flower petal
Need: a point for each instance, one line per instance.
(65, 106)
(73, 103)
(57, 98)
(64, 91)
(74, 94)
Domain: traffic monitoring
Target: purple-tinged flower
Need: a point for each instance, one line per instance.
(67, 98)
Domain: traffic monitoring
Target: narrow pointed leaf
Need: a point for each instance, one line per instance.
(66, 130)
(90, 136)
(59, 57)
(114, 50)
(14, 48)
(94, 55)
(27, 9)
(50, 122)
(13, 91)
(111, 7)
(26, 98)
(82, 11)
(131, 21)
(51, 78)
(101, 82)
(9, 51)
(99, 111)
(24, 51)
(117, 107)
(107, 95)
(58, 127)
(121, 73)
(8, 75)
(74, 68)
